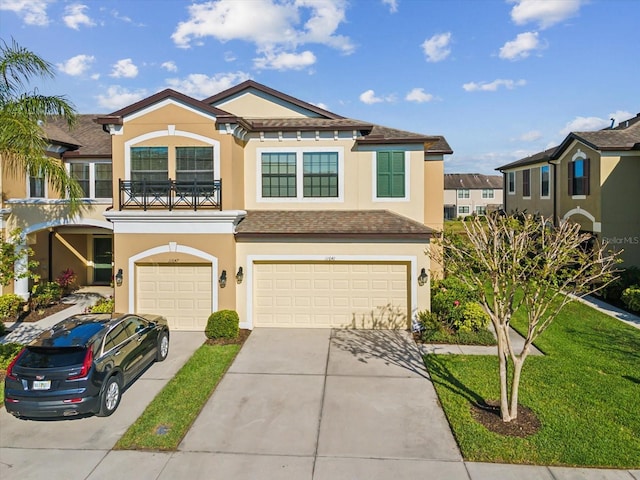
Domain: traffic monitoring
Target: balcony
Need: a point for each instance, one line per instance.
(170, 195)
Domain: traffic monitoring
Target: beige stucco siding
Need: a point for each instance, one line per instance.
(432, 190)
(251, 105)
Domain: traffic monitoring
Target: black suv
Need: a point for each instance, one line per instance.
(82, 364)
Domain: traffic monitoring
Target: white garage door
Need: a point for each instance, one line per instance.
(336, 294)
(181, 293)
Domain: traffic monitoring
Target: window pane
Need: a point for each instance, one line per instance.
(36, 187)
(103, 180)
(80, 171)
(320, 174)
(278, 175)
(194, 164)
(149, 163)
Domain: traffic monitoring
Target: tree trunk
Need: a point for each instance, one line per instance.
(515, 384)
(504, 372)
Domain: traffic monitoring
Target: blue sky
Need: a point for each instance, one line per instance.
(500, 79)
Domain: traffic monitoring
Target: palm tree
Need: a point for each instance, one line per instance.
(22, 114)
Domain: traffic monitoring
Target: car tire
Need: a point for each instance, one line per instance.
(110, 397)
(163, 347)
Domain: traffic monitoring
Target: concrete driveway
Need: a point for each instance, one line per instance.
(35, 446)
(322, 404)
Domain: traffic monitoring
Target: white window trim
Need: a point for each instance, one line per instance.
(511, 192)
(374, 178)
(92, 176)
(545, 197)
(171, 131)
(490, 193)
(461, 191)
(28, 189)
(299, 152)
(464, 206)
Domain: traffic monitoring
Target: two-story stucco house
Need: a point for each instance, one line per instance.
(259, 202)
(592, 178)
(471, 194)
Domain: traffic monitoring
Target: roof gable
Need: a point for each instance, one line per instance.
(253, 100)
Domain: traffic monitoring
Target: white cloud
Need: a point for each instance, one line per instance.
(393, 5)
(587, 124)
(75, 16)
(369, 97)
(267, 23)
(437, 48)
(117, 97)
(521, 47)
(32, 12)
(493, 86)
(544, 12)
(284, 60)
(76, 65)
(229, 56)
(124, 68)
(170, 66)
(418, 95)
(199, 85)
(530, 136)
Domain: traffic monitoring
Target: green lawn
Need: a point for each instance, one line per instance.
(585, 391)
(166, 420)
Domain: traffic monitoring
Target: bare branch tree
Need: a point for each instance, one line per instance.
(525, 263)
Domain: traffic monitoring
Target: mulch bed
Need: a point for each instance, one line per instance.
(35, 315)
(488, 414)
(242, 337)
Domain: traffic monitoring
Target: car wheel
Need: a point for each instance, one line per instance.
(110, 398)
(163, 347)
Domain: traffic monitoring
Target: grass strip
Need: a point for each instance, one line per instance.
(166, 420)
(585, 391)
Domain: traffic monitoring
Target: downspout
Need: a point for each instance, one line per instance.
(50, 246)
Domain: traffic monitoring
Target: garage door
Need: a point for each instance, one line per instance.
(181, 293)
(335, 294)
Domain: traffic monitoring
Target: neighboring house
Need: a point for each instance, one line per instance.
(471, 193)
(592, 178)
(256, 201)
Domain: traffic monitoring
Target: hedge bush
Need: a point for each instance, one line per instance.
(626, 278)
(10, 306)
(631, 298)
(45, 294)
(472, 318)
(223, 324)
(104, 305)
(7, 353)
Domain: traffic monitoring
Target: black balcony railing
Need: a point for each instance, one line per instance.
(170, 194)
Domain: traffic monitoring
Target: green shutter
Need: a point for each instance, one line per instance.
(390, 174)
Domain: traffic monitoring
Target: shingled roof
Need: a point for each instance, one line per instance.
(624, 137)
(374, 224)
(454, 181)
(86, 138)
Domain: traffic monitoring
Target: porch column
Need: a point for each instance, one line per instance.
(21, 285)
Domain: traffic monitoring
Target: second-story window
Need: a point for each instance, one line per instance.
(487, 193)
(544, 181)
(80, 171)
(526, 183)
(579, 177)
(511, 183)
(194, 163)
(36, 186)
(320, 174)
(149, 163)
(463, 193)
(278, 175)
(93, 177)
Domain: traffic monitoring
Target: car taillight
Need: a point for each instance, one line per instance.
(9, 373)
(86, 365)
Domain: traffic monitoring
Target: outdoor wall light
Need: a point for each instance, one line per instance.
(223, 279)
(239, 275)
(422, 278)
(119, 276)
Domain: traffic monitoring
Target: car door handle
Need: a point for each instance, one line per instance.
(118, 352)
(139, 339)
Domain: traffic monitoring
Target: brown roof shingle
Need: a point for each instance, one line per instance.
(373, 224)
(471, 181)
(91, 139)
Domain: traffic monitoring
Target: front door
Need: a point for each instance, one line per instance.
(102, 260)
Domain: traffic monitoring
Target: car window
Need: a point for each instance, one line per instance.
(115, 337)
(51, 357)
(135, 325)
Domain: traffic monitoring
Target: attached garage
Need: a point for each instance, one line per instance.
(181, 293)
(333, 294)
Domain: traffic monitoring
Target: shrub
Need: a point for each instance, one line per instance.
(7, 352)
(45, 294)
(67, 280)
(631, 298)
(104, 305)
(626, 278)
(10, 305)
(430, 323)
(472, 318)
(223, 324)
